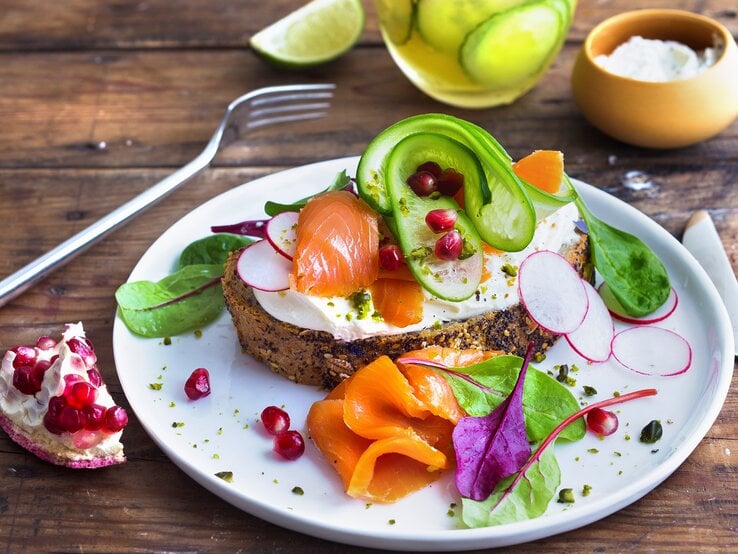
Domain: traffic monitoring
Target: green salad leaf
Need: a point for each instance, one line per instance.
(186, 300)
(515, 498)
(635, 275)
(212, 250)
(481, 387)
(340, 182)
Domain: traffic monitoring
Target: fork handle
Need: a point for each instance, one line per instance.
(18, 282)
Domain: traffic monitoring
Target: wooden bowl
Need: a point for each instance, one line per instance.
(658, 114)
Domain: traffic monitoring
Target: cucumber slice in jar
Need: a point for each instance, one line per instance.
(444, 24)
(396, 19)
(511, 46)
(453, 280)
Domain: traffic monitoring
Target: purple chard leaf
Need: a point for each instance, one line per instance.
(494, 446)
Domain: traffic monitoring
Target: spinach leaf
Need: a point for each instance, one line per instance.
(482, 387)
(186, 300)
(492, 447)
(520, 497)
(340, 182)
(212, 250)
(633, 272)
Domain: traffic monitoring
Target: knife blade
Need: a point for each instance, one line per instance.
(703, 242)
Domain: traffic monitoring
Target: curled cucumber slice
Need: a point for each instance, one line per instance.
(396, 19)
(453, 280)
(497, 205)
(510, 46)
(444, 24)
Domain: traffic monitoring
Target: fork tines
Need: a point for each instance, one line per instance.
(281, 104)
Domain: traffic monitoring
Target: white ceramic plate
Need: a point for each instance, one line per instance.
(222, 433)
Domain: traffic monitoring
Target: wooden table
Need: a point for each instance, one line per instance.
(99, 100)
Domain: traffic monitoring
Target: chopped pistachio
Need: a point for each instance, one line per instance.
(586, 489)
(566, 496)
(298, 491)
(227, 476)
(155, 386)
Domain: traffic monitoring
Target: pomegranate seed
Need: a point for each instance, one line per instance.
(275, 420)
(94, 376)
(449, 246)
(84, 349)
(92, 416)
(85, 439)
(602, 422)
(45, 343)
(70, 419)
(450, 181)
(69, 381)
(441, 220)
(24, 355)
(431, 167)
(423, 183)
(81, 394)
(289, 444)
(26, 379)
(390, 257)
(198, 384)
(51, 418)
(114, 420)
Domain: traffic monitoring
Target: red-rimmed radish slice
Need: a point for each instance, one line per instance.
(593, 338)
(261, 267)
(650, 350)
(618, 312)
(552, 292)
(280, 232)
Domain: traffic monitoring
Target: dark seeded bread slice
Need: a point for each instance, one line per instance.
(316, 358)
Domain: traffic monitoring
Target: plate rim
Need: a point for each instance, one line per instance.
(485, 537)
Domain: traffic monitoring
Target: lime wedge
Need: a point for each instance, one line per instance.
(318, 32)
(513, 45)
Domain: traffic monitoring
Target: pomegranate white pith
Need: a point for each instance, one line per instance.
(53, 402)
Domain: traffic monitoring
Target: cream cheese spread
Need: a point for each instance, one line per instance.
(338, 316)
(657, 60)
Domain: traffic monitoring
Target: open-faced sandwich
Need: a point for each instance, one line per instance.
(426, 254)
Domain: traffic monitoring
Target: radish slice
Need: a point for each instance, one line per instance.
(617, 310)
(281, 233)
(666, 353)
(261, 267)
(552, 292)
(593, 338)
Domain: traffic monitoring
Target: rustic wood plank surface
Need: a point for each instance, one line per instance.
(100, 99)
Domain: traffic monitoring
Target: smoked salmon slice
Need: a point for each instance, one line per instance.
(387, 429)
(398, 301)
(337, 246)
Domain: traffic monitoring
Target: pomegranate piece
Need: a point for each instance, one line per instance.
(197, 384)
(390, 257)
(289, 445)
(602, 422)
(423, 183)
(450, 182)
(449, 246)
(275, 420)
(431, 167)
(80, 423)
(441, 220)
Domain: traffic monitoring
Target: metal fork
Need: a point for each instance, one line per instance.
(258, 108)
